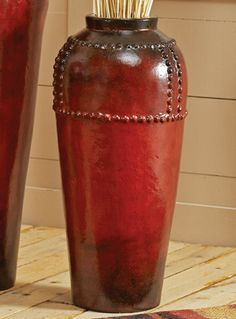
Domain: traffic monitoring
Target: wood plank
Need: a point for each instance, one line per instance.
(41, 269)
(64, 298)
(21, 299)
(175, 245)
(44, 248)
(98, 315)
(216, 295)
(25, 228)
(49, 310)
(37, 234)
(197, 278)
(191, 256)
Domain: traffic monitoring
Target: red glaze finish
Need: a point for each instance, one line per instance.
(21, 27)
(120, 96)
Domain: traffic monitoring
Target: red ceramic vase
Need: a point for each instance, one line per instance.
(120, 97)
(21, 27)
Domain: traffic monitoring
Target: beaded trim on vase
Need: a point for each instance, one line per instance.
(132, 46)
(106, 117)
(169, 57)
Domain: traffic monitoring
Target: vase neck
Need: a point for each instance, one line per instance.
(110, 25)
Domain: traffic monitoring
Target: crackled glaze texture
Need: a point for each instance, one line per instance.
(21, 26)
(120, 101)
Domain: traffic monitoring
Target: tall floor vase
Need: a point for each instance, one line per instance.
(120, 101)
(21, 28)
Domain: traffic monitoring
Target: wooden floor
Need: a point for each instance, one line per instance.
(196, 276)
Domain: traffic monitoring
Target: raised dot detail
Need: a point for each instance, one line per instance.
(58, 84)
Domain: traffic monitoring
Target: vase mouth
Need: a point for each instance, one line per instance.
(117, 24)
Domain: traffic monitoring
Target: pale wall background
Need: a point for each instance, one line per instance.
(206, 32)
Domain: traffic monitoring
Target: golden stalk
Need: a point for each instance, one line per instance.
(122, 9)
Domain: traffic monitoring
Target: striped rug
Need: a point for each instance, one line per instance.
(225, 312)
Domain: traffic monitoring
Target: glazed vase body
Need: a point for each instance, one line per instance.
(21, 27)
(120, 94)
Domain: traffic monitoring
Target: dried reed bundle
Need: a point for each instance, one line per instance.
(122, 9)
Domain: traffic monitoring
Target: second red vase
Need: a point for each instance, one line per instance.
(120, 95)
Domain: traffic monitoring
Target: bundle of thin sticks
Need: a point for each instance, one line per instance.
(122, 9)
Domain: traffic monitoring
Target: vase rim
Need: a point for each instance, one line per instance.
(117, 24)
